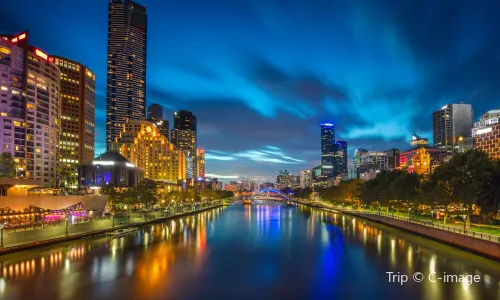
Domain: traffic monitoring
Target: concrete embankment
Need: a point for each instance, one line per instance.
(71, 237)
(486, 248)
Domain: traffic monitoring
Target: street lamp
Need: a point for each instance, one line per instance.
(1, 235)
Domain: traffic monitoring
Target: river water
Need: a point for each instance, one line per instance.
(263, 251)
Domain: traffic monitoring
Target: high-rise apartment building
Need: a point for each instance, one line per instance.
(156, 115)
(486, 133)
(340, 157)
(30, 108)
(145, 147)
(200, 163)
(77, 119)
(327, 149)
(126, 73)
(183, 135)
(450, 123)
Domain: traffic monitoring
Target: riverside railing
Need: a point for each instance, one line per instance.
(451, 228)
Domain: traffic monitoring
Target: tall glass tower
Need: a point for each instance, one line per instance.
(126, 73)
(327, 150)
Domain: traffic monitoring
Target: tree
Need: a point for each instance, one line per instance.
(405, 188)
(489, 199)
(146, 194)
(471, 171)
(7, 165)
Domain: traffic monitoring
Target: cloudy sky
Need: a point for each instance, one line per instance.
(261, 76)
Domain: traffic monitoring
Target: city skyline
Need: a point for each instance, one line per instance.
(258, 107)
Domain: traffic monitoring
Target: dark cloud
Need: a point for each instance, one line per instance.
(299, 86)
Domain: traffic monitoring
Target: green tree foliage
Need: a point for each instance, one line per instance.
(7, 165)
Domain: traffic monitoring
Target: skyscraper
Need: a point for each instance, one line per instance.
(155, 115)
(30, 108)
(77, 119)
(126, 73)
(155, 112)
(451, 122)
(183, 135)
(340, 157)
(327, 149)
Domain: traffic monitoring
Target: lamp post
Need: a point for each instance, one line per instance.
(67, 222)
(113, 219)
(1, 235)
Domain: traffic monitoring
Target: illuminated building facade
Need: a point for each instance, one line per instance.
(77, 119)
(417, 141)
(305, 179)
(451, 122)
(422, 160)
(144, 146)
(327, 149)
(30, 108)
(126, 72)
(486, 133)
(284, 179)
(340, 157)
(109, 168)
(200, 162)
(357, 161)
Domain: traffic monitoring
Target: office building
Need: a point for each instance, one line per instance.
(392, 159)
(486, 133)
(340, 157)
(284, 179)
(30, 108)
(327, 149)
(126, 71)
(245, 185)
(143, 145)
(77, 119)
(305, 179)
(451, 122)
(357, 161)
(155, 114)
(183, 135)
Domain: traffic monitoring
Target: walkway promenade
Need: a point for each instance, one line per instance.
(22, 239)
(364, 212)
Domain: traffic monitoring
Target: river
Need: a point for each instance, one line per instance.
(262, 251)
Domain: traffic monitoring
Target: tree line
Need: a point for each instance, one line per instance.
(147, 194)
(467, 184)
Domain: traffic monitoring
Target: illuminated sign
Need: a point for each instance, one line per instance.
(327, 124)
(484, 130)
(202, 151)
(129, 165)
(22, 36)
(41, 54)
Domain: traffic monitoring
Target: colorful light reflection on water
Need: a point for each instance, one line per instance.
(259, 251)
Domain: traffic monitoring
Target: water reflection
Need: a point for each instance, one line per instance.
(256, 251)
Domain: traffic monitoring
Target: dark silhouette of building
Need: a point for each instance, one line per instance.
(126, 72)
(392, 159)
(450, 123)
(156, 116)
(340, 157)
(184, 135)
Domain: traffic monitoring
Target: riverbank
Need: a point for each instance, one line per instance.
(57, 238)
(474, 244)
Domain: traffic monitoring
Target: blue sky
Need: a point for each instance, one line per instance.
(263, 75)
